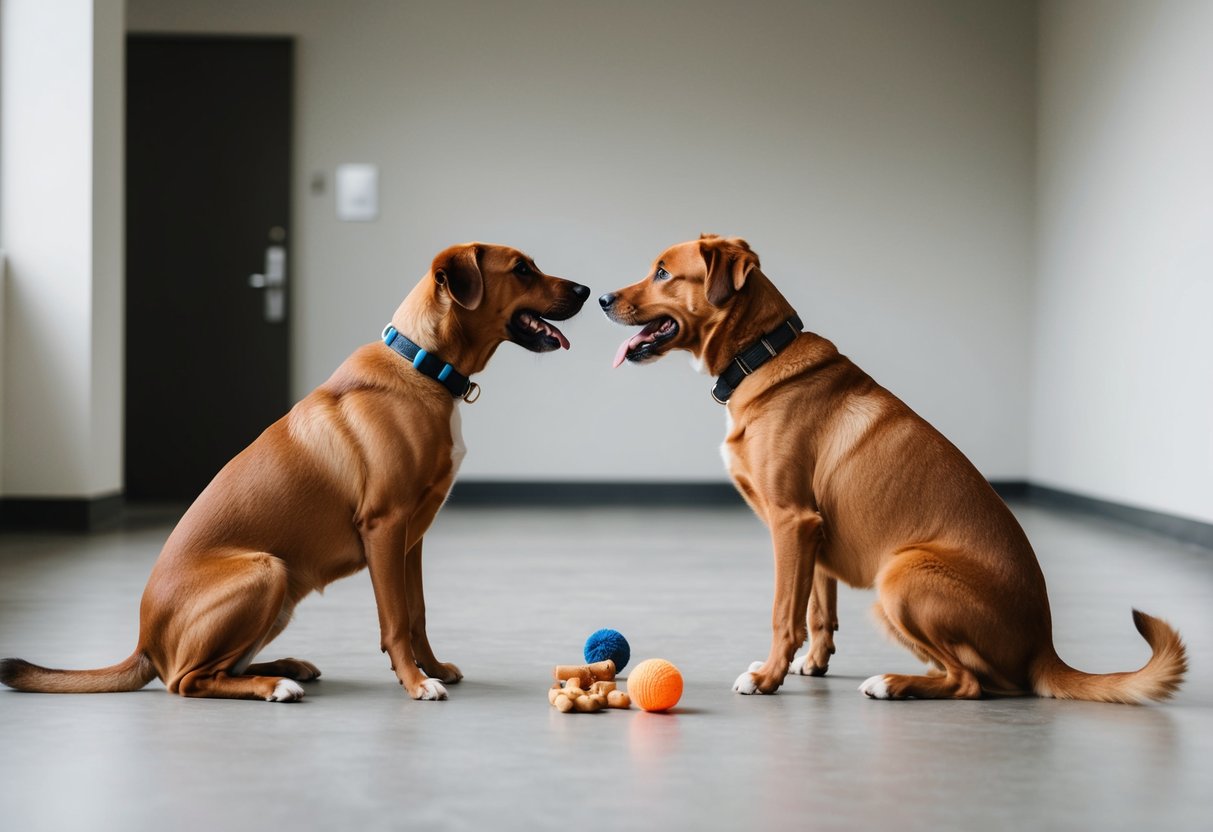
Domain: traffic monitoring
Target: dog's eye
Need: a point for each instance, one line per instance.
(661, 274)
(522, 269)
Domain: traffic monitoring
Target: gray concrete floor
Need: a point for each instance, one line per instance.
(513, 592)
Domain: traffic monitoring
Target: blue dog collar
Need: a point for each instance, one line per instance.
(459, 385)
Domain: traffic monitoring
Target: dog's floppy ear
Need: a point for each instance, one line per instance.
(729, 263)
(458, 269)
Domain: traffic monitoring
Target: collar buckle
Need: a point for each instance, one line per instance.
(472, 394)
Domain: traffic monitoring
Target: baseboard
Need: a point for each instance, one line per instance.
(589, 494)
(1011, 489)
(1178, 528)
(552, 494)
(74, 514)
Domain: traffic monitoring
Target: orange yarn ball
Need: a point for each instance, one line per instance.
(655, 685)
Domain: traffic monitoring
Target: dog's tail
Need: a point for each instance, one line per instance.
(131, 674)
(1159, 679)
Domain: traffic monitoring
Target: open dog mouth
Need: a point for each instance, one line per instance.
(645, 344)
(529, 330)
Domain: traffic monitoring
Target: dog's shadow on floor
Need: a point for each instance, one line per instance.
(347, 686)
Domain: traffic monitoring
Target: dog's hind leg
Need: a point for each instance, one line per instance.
(878, 613)
(222, 627)
(929, 604)
(296, 669)
(291, 668)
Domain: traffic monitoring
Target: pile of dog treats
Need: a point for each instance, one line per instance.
(586, 688)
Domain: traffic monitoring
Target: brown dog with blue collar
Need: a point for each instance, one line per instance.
(352, 477)
(855, 486)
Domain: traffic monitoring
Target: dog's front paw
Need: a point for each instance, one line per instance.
(287, 690)
(800, 667)
(806, 665)
(445, 672)
(428, 689)
(752, 682)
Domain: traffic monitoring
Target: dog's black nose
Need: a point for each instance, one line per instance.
(582, 292)
(606, 300)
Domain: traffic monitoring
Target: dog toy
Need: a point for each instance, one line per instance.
(608, 644)
(585, 674)
(655, 685)
(572, 697)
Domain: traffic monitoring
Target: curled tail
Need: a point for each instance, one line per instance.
(1159, 679)
(131, 674)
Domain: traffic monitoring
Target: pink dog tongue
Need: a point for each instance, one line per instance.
(631, 344)
(557, 334)
(622, 354)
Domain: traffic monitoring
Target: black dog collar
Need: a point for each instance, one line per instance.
(750, 359)
(459, 385)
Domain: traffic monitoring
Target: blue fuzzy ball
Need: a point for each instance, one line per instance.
(608, 644)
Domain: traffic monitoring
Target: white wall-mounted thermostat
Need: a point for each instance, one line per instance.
(357, 193)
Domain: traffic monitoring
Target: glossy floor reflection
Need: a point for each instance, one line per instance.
(513, 592)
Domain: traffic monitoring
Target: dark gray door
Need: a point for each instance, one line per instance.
(208, 172)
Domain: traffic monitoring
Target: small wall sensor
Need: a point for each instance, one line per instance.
(357, 193)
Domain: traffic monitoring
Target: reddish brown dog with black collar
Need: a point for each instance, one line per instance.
(855, 486)
(351, 477)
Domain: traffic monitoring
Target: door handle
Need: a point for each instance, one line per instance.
(273, 281)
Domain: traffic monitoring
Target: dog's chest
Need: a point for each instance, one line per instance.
(726, 452)
(458, 449)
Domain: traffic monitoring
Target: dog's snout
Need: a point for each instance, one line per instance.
(607, 300)
(582, 292)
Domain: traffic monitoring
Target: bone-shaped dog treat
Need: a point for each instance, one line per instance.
(585, 674)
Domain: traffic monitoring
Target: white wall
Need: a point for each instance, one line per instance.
(60, 224)
(878, 155)
(1123, 370)
(107, 371)
(3, 293)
